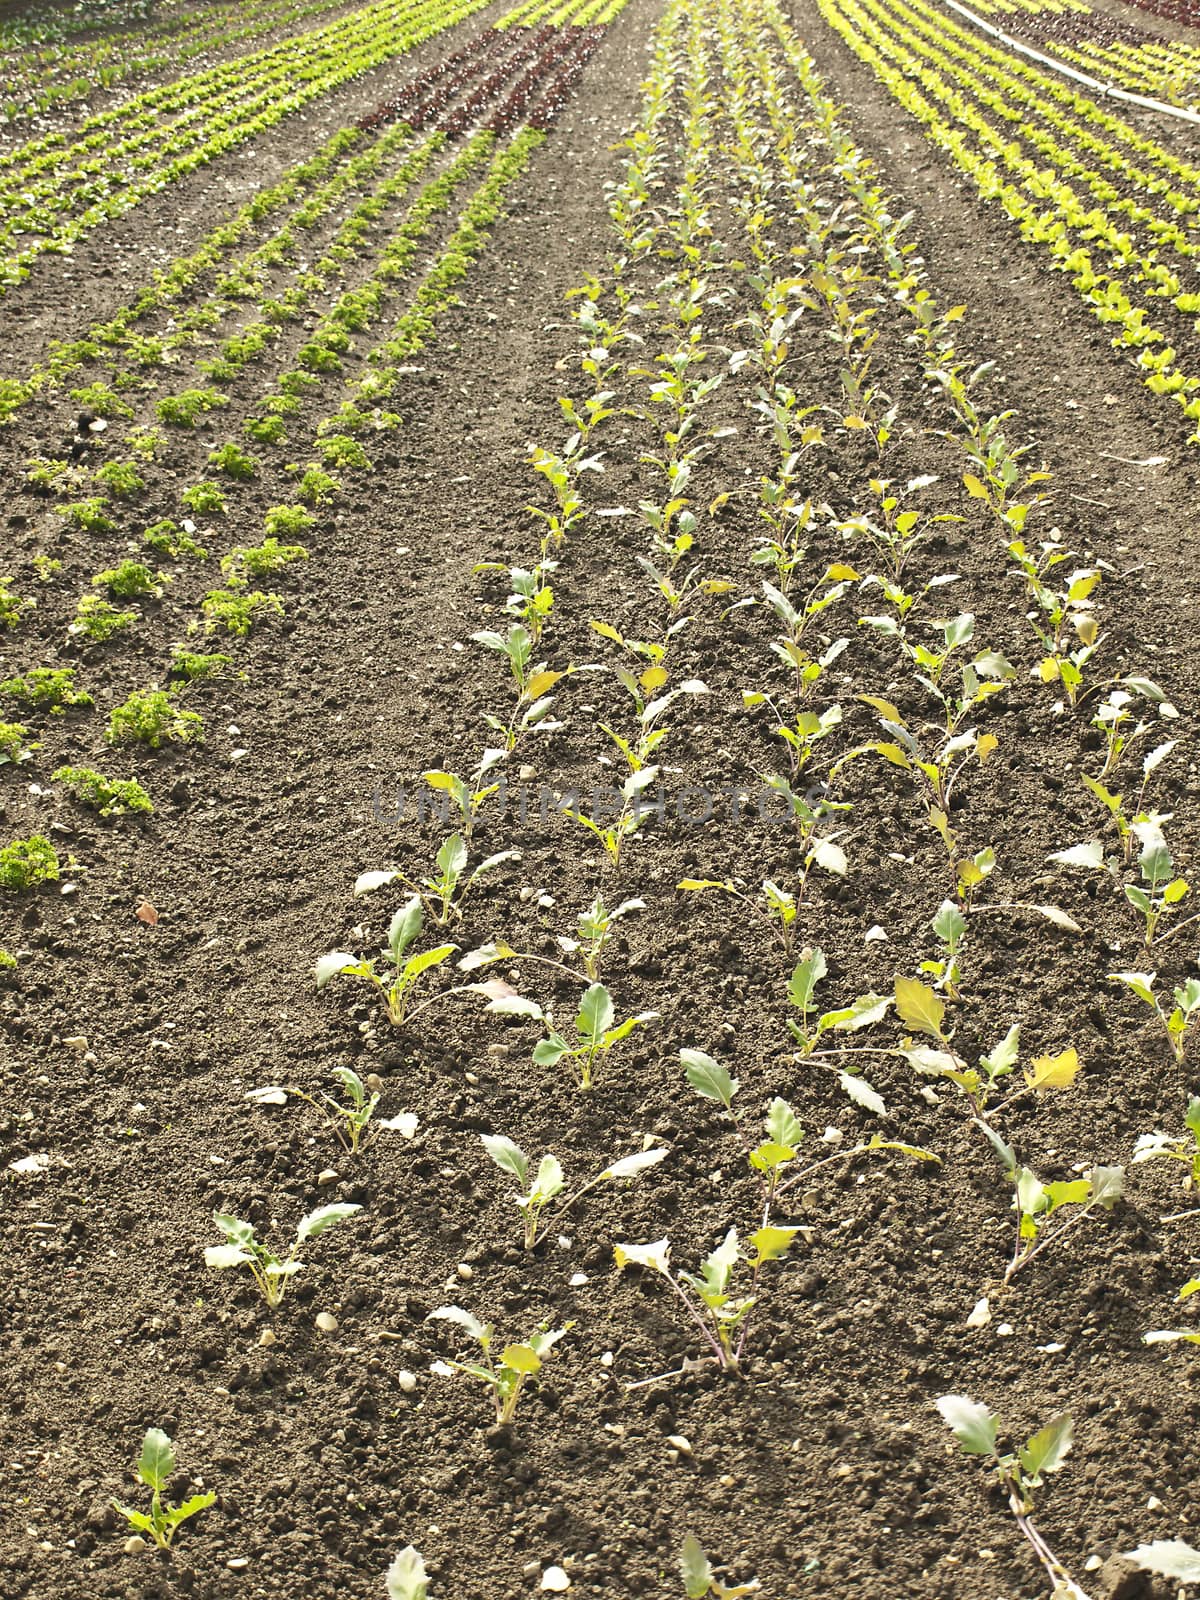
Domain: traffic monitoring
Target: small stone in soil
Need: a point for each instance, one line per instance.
(326, 1322)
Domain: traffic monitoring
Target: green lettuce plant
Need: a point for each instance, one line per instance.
(111, 797)
(27, 862)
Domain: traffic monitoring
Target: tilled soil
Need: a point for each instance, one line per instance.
(824, 1470)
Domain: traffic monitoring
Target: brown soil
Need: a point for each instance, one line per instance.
(824, 1471)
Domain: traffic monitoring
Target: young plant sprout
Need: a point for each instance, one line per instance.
(922, 1010)
(721, 1318)
(467, 797)
(894, 532)
(1037, 1204)
(1170, 1558)
(808, 1032)
(156, 1464)
(595, 929)
(594, 1030)
(1176, 1019)
(805, 731)
(534, 703)
(270, 1272)
(612, 833)
(699, 1580)
(1017, 1473)
(400, 977)
(807, 812)
(1184, 1148)
(650, 732)
(771, 1159)
(352, 1119)
(505, 1375)
(532, 597)
(406, 1577)
(549, 1181)
(1160, 889)
(443, 893)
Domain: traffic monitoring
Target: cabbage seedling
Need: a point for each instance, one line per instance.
(595, 929)
(649, 735)
(406, 1577)
(1159, 889)
(506, 1374)
(549, 1182)
(772, 1158)
(808, 728)
(896, 533)
(155, 1467)
(1018, 1473)
(532, 597)
(351, 1119)
(441, 894)
(516, 646)
(699, 1580)
(467, 797)
(721, 1318)
(1176, 1020)
(596, 1030)
(400, 977)
(1037, 1203)
(861, 1013)
(632, 814)
(1172, 1147)
(270, 1272)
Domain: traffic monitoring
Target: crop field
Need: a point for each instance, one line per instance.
(599, 855)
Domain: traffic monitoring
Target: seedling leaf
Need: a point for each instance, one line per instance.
(708, 1077)
(316, 1222)
(406, 1577)
(1173, 1558)
(631, 1166)
(971, 1423)
(1053, 1072)
(507, 1155)
(329, 966)
(157, 1460)
(919, 1007)
(862, 1094)
(656, 1256)
(1090, 855)
(1047, 1449)
(695, 1568)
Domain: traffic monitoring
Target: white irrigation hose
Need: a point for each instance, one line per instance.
(1095, 84)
